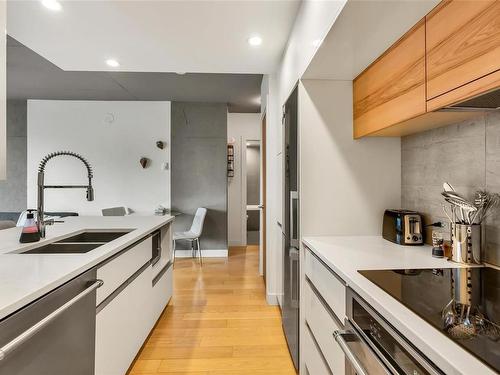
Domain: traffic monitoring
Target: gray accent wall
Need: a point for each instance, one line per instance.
(199, 140)
(13, 189)
(467, 155)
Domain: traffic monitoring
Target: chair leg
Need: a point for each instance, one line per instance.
(193, 251)
(199, 251)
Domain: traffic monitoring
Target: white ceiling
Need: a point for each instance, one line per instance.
(361, 33)
(156, 36)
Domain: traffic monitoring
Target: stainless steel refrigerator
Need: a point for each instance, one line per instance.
(290, 228)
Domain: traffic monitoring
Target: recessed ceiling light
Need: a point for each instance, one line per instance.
(317, 42)
(255, 40)
(112, 63)
(181, 73)
(52, 5)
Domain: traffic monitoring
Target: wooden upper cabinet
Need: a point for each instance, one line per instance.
(462, 47)
(392, 89)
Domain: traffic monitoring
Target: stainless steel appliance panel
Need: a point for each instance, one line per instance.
(156, 247)
(290, 228)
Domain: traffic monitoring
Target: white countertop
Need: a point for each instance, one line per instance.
(26, 277)
(346, 255)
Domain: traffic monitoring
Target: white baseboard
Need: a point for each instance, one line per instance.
(216, 253)
(272, 299)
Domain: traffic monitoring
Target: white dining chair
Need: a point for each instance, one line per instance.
(193, 234)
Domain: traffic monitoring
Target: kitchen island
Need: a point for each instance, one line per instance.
(26, 277)
(345, 256)
(127, 282)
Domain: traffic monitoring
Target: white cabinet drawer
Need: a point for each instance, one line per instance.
(323, 325)
(162, 291)
(122, 326)
(329, 285)
(118, 270)
(313, 361)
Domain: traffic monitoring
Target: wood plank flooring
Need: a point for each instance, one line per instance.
(217, 323)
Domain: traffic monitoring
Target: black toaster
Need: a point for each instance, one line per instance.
(403, 227)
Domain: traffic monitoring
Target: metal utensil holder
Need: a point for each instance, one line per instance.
(466, 243)
(465, 286)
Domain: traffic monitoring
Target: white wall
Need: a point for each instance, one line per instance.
(112, 147)
(241, 127)
(3, 91)
(313, 21)
(345, 184)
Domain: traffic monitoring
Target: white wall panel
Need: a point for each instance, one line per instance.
(112, 136)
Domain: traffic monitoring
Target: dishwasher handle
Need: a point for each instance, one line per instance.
(33, 330)
(351, 357)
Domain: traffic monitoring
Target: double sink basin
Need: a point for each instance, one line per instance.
(79, 243)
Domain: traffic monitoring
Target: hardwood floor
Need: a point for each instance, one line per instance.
(217, 322)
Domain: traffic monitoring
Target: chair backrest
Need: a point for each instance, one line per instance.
(116, 211)
(199, 218)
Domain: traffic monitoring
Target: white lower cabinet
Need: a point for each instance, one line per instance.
(129, 307)
(162, 292)
(115, 272)
(122, 326)
(330, 286)
(322, 325)
(313, 361)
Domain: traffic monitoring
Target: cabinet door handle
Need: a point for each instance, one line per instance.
(33, 330)
(351, 357)
(294, 237)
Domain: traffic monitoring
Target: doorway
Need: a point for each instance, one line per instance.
(263, 203)
(253, 154)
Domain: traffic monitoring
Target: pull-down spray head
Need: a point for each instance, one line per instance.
(42, 186)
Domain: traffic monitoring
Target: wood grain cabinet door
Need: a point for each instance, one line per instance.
(462, 47)
(392, 89)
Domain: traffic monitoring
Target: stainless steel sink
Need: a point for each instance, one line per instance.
(96, 237)
(64, 248)
(79, 243)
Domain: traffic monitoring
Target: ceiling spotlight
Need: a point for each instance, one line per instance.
(317, 42)
(180, 73)
(112, 63)
(255, 41)
(52, 5)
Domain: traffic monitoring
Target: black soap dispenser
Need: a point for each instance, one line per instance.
(30, 231)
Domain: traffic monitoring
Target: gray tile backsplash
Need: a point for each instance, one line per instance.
(467, 155)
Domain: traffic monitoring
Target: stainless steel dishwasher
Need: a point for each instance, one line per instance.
(55, 335)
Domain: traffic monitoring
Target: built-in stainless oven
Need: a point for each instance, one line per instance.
(372, 346)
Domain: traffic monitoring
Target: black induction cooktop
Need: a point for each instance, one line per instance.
(462, 303)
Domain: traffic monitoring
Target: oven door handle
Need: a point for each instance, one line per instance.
(351, 357)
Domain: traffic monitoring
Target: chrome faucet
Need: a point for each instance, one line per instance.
(41, 187)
